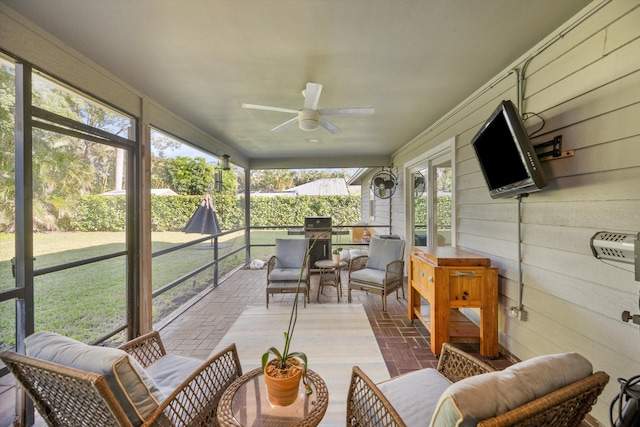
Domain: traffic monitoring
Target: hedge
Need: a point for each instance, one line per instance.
(444, 213)
(171, 213)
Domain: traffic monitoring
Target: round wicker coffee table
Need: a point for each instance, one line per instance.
(245, 403)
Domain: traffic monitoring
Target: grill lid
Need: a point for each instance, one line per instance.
(317, 223)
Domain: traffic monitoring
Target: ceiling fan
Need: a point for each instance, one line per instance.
(309, 118)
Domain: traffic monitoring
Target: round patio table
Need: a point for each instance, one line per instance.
(245, 403)
(330, 275)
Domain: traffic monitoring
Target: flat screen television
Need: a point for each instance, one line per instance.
(506, 155)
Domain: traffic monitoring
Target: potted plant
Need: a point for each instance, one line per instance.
(282, 374)
(335, 255)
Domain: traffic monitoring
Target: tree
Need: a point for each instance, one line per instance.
(187, 176)
(100, 157)
(7, 155)
(64, 168)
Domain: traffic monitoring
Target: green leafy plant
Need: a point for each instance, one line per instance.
(286, 358)
(336, 251)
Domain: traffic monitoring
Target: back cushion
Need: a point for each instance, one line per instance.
(135, 391)
(290, 252)
(383, 251)
(487, 395)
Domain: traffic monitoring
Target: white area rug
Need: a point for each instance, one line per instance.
(334, 337)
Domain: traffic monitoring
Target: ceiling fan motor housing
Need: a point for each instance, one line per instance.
(308, 120)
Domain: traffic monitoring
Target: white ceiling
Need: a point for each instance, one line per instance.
(412, 60)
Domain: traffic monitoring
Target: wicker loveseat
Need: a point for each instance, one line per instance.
(138, 384)
(554, 390)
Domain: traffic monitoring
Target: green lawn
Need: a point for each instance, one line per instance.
(89, 301)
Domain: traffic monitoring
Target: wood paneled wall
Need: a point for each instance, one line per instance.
(586, 86)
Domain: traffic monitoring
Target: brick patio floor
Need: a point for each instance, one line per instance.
(196, 328)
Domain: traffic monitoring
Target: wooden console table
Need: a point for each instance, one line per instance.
(448, 279)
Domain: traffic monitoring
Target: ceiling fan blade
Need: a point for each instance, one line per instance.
(312, 96)
(328, 125)
(286, 124)
(340, 111)
(269, 108)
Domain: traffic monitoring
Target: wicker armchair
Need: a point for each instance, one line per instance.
(71, 397)
(289, 266)
(381, 271)
(367, 405)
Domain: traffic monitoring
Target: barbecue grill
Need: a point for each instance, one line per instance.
(318, 230)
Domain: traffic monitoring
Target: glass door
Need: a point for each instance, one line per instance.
(431, 198)
(420, 213)
(440, 191)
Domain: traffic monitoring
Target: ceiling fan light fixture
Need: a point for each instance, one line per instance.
(308, 120)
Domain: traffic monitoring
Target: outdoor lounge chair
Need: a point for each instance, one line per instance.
(287, 267)
(381, 271)
(138, 384)
(553, 390)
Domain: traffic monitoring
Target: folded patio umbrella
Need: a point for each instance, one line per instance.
(204, 220)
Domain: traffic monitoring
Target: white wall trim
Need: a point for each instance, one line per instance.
(413, 165)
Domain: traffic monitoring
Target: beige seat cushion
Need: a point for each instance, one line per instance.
(484, 396)
(415, 395)
(288, 275)
(171, 370)
(368, 275)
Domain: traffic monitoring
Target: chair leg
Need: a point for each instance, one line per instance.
(267, 298)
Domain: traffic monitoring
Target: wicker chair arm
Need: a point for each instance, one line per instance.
(146, 349)
(367, 406)
(195, 401)
(394, 270)
(60, 393)
(358, 263)
(456, 365)
(271, 264)
(564, 407)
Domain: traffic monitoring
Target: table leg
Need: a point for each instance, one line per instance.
(320, 283)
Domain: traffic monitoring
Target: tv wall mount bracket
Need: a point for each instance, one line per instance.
(555, 152)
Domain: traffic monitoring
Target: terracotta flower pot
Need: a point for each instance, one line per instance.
(282, 384)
